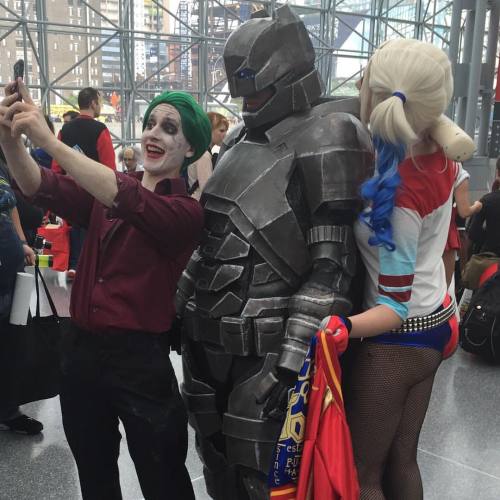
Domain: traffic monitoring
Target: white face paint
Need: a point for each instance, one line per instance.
(164, 146)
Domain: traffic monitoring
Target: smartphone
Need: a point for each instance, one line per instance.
(18, 73)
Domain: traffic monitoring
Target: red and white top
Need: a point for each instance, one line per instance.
(411, 279)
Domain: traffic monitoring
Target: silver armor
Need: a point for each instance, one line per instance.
(277, 256)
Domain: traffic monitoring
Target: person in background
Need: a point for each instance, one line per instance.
(200, 172)
(30, 217)
(220, 126)
(496, 183)
(26, 216)
(39, 155)
(86, 134)
(141, 231)
(92, 138)
(14, 253)
(130, 159)
(70, 115)
(484, 228)
(462, 209)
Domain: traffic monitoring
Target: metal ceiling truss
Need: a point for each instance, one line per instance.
(344, 33)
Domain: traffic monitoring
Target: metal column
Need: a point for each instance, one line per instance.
(475, 67)
(128, 44)
(43, 69)
(456, 19)
(495, 128)
(203, 53)
(463, 70)
(488, 79)
(479, 82)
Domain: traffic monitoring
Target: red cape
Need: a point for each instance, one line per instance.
(327, 470)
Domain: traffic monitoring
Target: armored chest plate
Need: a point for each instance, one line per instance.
(249, 185)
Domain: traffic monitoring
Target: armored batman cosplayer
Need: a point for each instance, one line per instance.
(278, 253)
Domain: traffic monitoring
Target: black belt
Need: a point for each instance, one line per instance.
(423, 323)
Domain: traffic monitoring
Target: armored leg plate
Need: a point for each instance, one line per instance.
(250, 438)
(199, 396)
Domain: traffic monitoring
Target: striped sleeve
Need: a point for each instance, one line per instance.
(397, 268)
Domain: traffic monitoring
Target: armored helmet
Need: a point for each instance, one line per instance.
(274, 54)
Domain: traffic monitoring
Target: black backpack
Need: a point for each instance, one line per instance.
(480, 327)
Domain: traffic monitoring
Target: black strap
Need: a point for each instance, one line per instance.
(38, 274)
(194, 187)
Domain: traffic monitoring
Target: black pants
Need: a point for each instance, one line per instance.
(76, 239)
(126, 376)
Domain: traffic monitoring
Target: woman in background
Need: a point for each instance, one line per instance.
(14, 253)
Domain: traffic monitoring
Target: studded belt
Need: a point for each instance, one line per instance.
(423, 323)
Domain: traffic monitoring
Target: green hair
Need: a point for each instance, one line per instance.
(195, 123)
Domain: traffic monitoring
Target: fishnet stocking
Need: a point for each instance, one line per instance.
(386, 403)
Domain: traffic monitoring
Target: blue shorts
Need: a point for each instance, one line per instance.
(438, 338)
(435, 338)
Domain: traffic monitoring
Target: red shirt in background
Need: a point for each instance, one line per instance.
(134, 253)
(96, 145)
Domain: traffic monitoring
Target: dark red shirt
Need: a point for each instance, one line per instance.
(134, 253)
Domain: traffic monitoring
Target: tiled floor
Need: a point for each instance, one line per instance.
(459, 452)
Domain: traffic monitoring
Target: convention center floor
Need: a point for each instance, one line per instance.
(459, 451)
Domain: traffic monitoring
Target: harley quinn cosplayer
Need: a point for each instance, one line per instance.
(408, 325)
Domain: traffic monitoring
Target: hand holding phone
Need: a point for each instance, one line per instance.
(18, 73)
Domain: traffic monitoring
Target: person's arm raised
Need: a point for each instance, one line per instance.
(26, 118)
